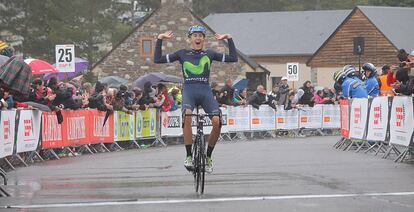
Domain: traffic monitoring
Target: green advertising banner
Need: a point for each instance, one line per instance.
(124, 126)
(146, 123)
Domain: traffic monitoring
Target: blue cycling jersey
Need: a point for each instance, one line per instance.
(196, 64)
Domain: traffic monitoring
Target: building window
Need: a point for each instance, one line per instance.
(147, 49)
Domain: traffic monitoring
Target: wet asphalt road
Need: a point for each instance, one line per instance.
(302, 174)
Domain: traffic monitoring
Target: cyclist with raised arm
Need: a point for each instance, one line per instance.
(196, 67)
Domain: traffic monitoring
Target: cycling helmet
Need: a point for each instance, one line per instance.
(196, 28)
(349, 70)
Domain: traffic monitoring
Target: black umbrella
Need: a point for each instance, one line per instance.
(155, 77)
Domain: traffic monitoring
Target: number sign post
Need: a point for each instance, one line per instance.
(65, 58)
(292, 71)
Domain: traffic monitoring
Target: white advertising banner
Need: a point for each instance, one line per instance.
(331, 116)
(262, 119)
(238, 118)
(358, 118)
(378, 119)
(401, 122)
(310, 117)
(28, 130)
(171, 123)
(287, 119)
(207, 126)
(7, 132)
(224, 124)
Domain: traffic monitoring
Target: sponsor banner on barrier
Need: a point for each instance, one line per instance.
(331, 116)
(171, 123)
(287, 119)
(401, 121)
(51, 131)
(224, 124)
(7, 132)
(100, 133)
(124, 126)
(358, 118)
(238, 119)
(310, 117)
(74, 127)
(146, 123)
(344, 104)
(378, 119)
(207, 126)
(262, 119)
(28, 131)
(208, 123)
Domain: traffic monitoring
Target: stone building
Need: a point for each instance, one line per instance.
(133, 56)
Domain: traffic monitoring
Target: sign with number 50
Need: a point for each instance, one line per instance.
(292, 71)
(65, 58)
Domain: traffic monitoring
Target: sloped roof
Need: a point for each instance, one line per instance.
(278, 33)
(396, 23)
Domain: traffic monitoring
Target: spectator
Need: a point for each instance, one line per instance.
(328, 93)
(178, 96)
(6, 99)
(127, 96)
(319, 98)
(283, 91)
(64, 95)
(136, 101)
(174, 99)
(307, 97)
(98, 99)
(228, 93)
(41, 94)
(290, 105)
(403, 84)
(215, 89)
(274, 95)
(385, 89)
(240, 98)
(163, 100)
(259, 97)
(147, 95)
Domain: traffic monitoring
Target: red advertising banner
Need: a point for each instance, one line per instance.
(51, 131)
(97, 132)
(344, 118)
(74, 127)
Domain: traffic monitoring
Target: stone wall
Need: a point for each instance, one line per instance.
(126, 61)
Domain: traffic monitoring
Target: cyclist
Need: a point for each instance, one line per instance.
(196, 67)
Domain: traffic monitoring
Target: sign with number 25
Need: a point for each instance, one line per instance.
(65, 58)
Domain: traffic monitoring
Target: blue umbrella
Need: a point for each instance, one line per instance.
(240, 84)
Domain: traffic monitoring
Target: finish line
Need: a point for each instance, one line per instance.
(229, 199)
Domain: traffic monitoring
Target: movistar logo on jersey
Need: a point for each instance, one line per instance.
(196, 69)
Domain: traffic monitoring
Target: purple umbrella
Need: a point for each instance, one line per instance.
(80, 65)
(156, 77)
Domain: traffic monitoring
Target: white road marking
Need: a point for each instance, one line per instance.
(229, 199)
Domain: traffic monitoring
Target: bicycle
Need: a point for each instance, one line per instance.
(199, 151)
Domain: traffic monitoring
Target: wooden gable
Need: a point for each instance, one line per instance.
(338, 48)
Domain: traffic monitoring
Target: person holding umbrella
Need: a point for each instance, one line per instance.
(196, 67)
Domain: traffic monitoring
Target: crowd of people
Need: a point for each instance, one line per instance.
(54, 95)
